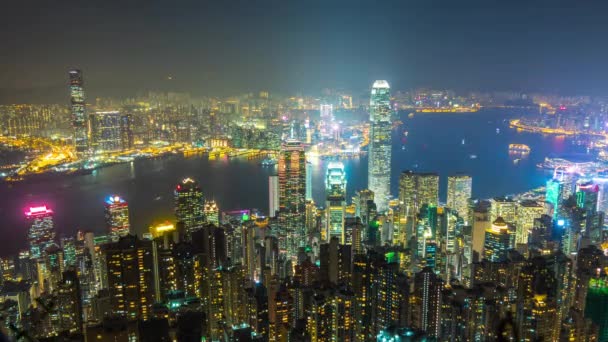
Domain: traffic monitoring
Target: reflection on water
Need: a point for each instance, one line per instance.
(434, 143)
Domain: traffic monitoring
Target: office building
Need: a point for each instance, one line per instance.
(117, 216)
(212, 212)
(459, 193)
(292, 195)
(273, 195)
(79, 119)
(335, 193)
(189, 205)
(497, 241)
(527, 212)
(380, 144)
(41, 233)
(105, 132)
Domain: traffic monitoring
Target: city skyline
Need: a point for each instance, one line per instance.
(304, 171)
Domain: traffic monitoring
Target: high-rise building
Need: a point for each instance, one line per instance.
(497, 241)
(335, 192)
(527, 212)
(380, 144)
(79, 119)
(117, 216)
(273, 195)
(292, 195)
(129, 273)
(596, 307)
(361, 201)
(553, 195)
(602, 182)
(105, 131)
(189, 205)
(504, 207)
(417, 189)
(212, 212)
(459, 193)
(309, 181)
(41, 233)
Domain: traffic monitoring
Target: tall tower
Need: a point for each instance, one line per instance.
(42, 232)
(273, 195)
(117, 216)
(292, 195)
(79, 119)
(379, 162)
(459, 193)
(189, 205)
(335, 192)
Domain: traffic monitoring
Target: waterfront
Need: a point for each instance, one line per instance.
(433, 143)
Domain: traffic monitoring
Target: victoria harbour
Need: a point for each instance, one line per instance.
(303, 171)
(428, 142)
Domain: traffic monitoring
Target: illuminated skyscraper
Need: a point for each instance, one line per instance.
(361, 201)
(596, 307)
(105, 132)
(459, 193)
(497, 241)
(380, 144)
(309, 181)
(129, 274)
(602, 202)
(117, 216)
(527, 212)
(503, 207)
(41, 233)
(189, 205)
(335, 192)
(292, 195)
(553, 195)
(212, 213)
(79, 119)
(273, 195)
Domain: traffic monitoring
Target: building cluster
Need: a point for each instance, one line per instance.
(410, 268)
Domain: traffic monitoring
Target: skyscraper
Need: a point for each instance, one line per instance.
(273, 195)
(497, 241)
(292, 195)
(41, 233)
(129, 273)
(117, 216)
(189, 205)
(527, 212)
(212, 213)
(379, 162)
(106, 131)
(79, 119)
(459, 193)
(335, 192)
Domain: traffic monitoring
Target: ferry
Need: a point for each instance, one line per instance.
(519, 148)
(268, 162)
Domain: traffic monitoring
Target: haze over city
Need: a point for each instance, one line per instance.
(303, 171)
(222, 48)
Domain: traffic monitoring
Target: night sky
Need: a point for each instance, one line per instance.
(227, 47)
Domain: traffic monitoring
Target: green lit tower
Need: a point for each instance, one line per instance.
(335, 191)
(189, 206)
(553, 195)
(380, 144)
(79, 119)
(596, 307)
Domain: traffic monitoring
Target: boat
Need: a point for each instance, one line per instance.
(268, 162)
(519, 148)
(410, 115)
(473, 156)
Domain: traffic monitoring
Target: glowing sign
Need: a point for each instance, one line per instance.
(114, 200)
(38, 211)
(561, 222)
